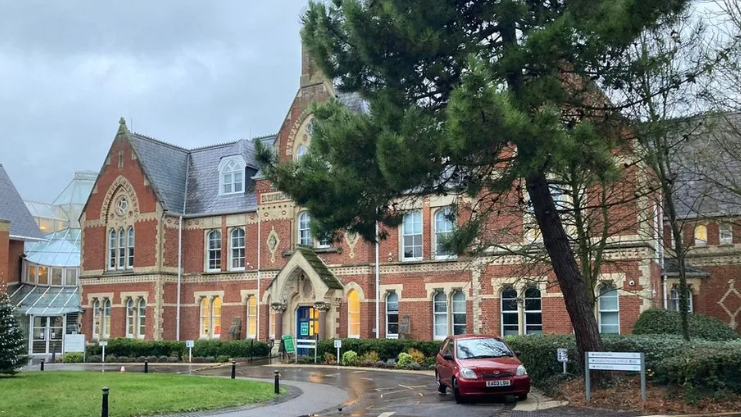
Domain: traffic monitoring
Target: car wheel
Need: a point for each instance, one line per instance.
(522, 397)
(457, 392)
(441, 388)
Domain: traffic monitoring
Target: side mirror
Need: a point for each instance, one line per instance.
(517, 353)
(447, 356)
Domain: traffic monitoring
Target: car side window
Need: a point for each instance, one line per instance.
(449, 348)
(444, 347)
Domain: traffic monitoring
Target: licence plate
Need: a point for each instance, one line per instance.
(500, 383)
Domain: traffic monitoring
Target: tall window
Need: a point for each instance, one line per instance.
(271, 320)
(510, 313)
(459, 313)
(674, 299)
(96, 319)
(609, 309)
(214, 250)
(533, 311)
(726, 233)
(210, 324)
(130, 318)
(392, 316)
(440, 316)
(412, 236)
(130, 248)
(121, 249)
(238, 249)
(701, 235)
(251, 317)
(443, 230)
(142, 318)
(304, 231)
(232, 178)
(136, 318)
(300, 152)
(353, 314)
(106, 318)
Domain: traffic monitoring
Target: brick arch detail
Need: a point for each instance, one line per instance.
(120, 185)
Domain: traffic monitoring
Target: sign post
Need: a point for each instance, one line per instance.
(189, 344)
(338, 345)
(615, 361)
(563, 357)
(288, 345)
(75, 343)
(103, 345)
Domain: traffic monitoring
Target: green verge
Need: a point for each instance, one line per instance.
(78, 394)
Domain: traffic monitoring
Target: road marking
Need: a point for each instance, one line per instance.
(359, 372)
(328, 374)
(387, 414)
(412, 386)
(367, 379)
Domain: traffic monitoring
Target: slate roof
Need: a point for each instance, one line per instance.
(671, 269)
(325, 274)
(12, 208)
(187, 180)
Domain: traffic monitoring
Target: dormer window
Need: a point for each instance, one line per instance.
(231, 175)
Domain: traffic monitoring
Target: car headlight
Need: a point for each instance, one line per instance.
(521, 371)
(468, 373)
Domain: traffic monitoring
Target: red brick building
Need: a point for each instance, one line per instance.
(193, 243)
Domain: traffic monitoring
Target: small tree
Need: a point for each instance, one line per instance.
(12, 342)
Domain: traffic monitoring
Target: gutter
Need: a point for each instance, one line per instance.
(180, 248)
(259, 296)
(378, 289)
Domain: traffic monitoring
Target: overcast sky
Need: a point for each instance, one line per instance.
(188, 72)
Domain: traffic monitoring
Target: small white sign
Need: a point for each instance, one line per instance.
(74, 343)
(102, 344)
(189, 343)
(614, 367)
(563, 355)
(616, 355)
(337, 343)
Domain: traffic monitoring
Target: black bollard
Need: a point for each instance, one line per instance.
(146, 366)
(277, 381)
(104, 408)
(234, 369)
(42, 364)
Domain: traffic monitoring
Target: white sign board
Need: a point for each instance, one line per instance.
(616, 361)
(102, 344)
(74, 343)
(563, 355)
(189, 344)
(337, 343)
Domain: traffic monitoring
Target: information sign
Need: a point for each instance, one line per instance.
(189, 343)
(288, 343)
(338, 345)
(616, 361)
(74, 343)
(304, 329)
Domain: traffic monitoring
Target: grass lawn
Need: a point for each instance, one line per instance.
(78, 394)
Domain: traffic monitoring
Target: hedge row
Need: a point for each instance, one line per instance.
(133, 348)
(385, 348)
(658, 321)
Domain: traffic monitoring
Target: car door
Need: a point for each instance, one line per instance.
(447, 365)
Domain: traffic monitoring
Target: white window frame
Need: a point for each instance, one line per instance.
(218, 250)
(600, 310)
(301, 151)
(121, 260)
(436, 314)
(389, 334)
(453, 311)
(350, 312)
(527, 311)
(141, 319)
(97, 316)
(699, 241)
(130, 242)
(77, 276)
(131, 321)
(204, 313)
(441, 218)
(251, 316)
(304, 229)
(236, 248)
(112, 249)
(107, 307)
(674, 299)
(515, 312)
(404, 235)
(212, 312)
(230, 167)
(725, 228)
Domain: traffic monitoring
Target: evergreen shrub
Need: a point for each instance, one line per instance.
(660, 321)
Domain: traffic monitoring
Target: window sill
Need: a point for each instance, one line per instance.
(119, 272)
(392, 336)
(446, 258)
(406, 260)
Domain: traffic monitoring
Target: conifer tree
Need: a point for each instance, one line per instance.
(474, 97)
(12, 342)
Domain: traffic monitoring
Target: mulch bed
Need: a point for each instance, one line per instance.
(625, 395)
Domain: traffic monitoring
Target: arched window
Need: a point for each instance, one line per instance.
(392, 316)
(112, 241)
(609, 309)
(304, 230)
(232, 178)
(412, 236)
(214, 251)
(353, 314)
(701, 235)
(459, 313)
(510, 313)
(142, 318)
(251, 317)
(271, 320)
(238, 249)
(205, 317)
(121, 249)
(300, 152)
(96, 318)
(440, 316)
(674, 299)
(533, 311)
(107, 318)
(216, 317)
(443, 230)
(130, 318)
(130, 248)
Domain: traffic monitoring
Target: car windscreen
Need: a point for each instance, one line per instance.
(481, 348)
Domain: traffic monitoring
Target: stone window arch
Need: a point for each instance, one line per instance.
(353, 314)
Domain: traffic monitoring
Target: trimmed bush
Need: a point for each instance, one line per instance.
(72, 357)
(404, 360)
(222, 358)
(350, 358)
(416, 355)
(330, 359)
(659, 321)
(371, 356)
(385, 348)
(703, 370)
(151, 349)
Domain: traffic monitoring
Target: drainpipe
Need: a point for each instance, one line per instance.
(180, 261)
(378, 290)
(259, 244)
(663, 277)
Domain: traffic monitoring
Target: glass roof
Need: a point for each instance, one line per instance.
(78, 190)
(47, 211)
(62, 249)
(49, 301)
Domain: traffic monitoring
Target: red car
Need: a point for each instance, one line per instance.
(480, 365)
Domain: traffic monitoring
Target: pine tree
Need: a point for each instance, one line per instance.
(466, 97)
(12, 342)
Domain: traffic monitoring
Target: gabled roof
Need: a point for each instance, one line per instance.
(165, 165)
(321, 269)
(13, 209)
